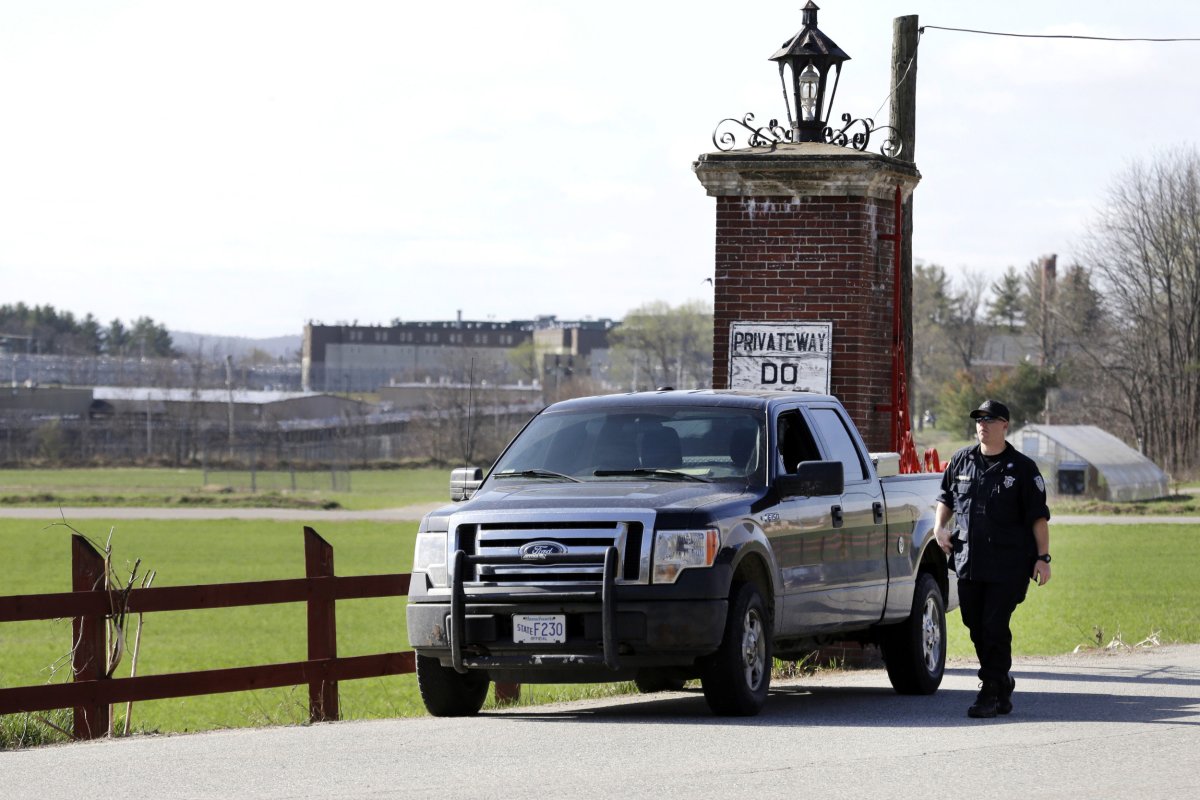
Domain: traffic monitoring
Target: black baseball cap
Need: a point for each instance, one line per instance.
(991, 408)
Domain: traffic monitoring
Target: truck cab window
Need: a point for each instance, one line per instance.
(796, 442)
(837, 440)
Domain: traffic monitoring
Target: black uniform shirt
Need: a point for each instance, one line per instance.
(994, 507)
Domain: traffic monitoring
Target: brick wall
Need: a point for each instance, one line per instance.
(818, 259)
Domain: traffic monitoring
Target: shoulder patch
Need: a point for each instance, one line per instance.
(1040, 483)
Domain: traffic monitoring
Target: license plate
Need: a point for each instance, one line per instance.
(539, 628)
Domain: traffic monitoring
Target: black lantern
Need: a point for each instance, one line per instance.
(805, 62)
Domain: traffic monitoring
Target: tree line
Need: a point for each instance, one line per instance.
(44, 330)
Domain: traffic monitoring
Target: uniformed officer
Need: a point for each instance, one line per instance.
(999, 541)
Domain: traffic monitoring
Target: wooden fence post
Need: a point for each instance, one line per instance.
(322, 625)
(89, 656)
(508, 692)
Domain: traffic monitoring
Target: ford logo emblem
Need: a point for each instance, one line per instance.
(535, 551)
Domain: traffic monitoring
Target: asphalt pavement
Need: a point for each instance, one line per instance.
(1098, 724)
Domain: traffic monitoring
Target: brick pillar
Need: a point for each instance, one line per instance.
(797, 240)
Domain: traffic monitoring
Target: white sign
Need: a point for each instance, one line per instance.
(788, 356)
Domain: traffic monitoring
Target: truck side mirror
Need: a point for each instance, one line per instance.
(813, 479)
(464, 482)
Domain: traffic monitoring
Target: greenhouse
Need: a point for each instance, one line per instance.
(1086, 461)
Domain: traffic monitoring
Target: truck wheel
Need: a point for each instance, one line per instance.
(446, 693)
(915, 649)
(651, 680)
(737, 676)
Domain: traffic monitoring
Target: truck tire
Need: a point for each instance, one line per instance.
(651, 680)
(447, 693)
(736, 678)
(915, 650)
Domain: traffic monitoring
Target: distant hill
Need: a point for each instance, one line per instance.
(217, 347)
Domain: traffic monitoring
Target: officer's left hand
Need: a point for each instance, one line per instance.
(1041, 573)
(945, 539)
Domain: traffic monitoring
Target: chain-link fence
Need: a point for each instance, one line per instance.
(289, 477)
(18, 369)
(294, 452)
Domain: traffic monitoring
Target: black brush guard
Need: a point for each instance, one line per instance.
(606, 595)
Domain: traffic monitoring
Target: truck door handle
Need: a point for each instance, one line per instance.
(878, 509)
(837, 516)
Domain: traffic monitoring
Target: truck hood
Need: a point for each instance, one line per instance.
(649, 495)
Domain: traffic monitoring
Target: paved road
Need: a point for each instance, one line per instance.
(1095, 725)
(413, 512)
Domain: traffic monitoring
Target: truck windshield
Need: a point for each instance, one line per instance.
(686, 443)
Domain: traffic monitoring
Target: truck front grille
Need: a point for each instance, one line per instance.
(585, 540)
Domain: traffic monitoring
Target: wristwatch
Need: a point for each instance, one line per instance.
(1045, 557)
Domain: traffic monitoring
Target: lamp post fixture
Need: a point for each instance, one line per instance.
(805, 63)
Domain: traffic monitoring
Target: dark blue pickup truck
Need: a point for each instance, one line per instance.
(670, 535)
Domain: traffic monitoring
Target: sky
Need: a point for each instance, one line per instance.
(241, 168)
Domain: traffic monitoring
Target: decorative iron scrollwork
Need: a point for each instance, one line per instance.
(854, 133)
(768, 135)
(859, 139)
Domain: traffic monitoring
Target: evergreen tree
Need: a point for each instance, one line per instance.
(1007, 303)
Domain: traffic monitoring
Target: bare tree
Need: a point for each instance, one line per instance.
(963, 327)
(932, 361)
(660, 345)
(1145, 248)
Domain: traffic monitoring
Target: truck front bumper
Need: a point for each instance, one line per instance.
(606, 638)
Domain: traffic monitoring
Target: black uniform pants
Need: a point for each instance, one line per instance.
(986, 610)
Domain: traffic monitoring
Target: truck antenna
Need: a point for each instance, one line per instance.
(467, 455)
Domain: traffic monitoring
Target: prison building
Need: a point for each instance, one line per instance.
(349, 358)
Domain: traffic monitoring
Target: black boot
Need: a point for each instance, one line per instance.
(1004, 699)
(986, 702)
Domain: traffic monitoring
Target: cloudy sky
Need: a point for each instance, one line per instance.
(238, 168)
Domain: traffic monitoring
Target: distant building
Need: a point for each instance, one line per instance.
(215, 405)
(1085, 461)
(410, 396)
(106, 402)
(1008, 350)
(345, 358)
(49, 402)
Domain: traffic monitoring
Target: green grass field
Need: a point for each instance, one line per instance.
(37, 559)
(368, 490)
(1127, 580)
(146, 487)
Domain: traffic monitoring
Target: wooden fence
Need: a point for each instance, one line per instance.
(92, 691)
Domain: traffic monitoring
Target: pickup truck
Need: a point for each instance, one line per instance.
(670, 535)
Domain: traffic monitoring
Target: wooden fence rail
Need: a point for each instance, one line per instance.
(92, 692)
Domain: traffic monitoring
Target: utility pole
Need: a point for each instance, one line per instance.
(229, 389)
(149, 428)
(905, 38)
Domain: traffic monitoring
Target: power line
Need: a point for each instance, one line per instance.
(1056, 35)
(921, 32)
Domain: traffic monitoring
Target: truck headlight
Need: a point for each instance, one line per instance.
(675, 551)
(430, 556)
